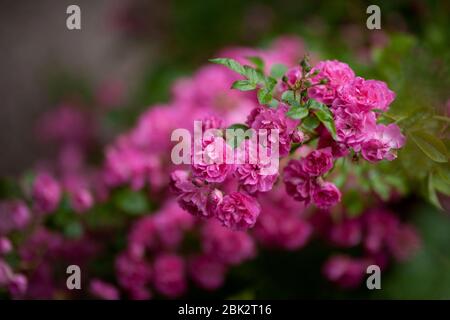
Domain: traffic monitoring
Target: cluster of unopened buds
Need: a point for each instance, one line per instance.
(325, 110)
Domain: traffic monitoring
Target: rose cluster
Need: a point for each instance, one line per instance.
(209, 216)
(346, 109)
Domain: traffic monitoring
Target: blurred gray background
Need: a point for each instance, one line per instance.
(33, 39)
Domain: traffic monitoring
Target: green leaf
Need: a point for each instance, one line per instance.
(278, 70)
(235, 141)
(442, 118)
(264, 96)
(273, 103)
(254, 76)
(132, 202)
(310, 122)
(353, 202)
(434, 148)
(231, 64)
(73, 230)
(243, 85)
(325, 116)
(432, 196)
(288, 96)
(441, 182)
(444, 172)
(257, 61)
(298, 113)
(270, 83)
(379, 185)
(238, 126)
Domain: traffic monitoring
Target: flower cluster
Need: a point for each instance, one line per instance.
(380, 234)
(201, 219)
(327, 102)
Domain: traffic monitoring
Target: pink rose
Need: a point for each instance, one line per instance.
(227, 246)
(210, 162)
(192, 195)
(284, 230)
(336, 73)
(382, 142)
(318, 162)
(347, 233)
(133, 275)
(238, 211)
(326, 195)
(298, 183)
(14, 215)
(81, 200)
(169, 275)
(351, 124)
(254, 173)
(367, 94)
(171, 224)
(274, 119)
(207, 272)
(293, 75)
(345, 271)
(46, 193)
(103, 290)
(5, 246)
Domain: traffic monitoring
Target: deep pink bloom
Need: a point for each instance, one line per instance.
(65, 124)
(318, 162)
(133, 275)
(210, 163)
(367, 95)
(293, 75)
(208, 273)
(347, 233)
(298, 183)
(14, 215)
(225, 245)
(336, 73)
(142, 237)
(5, 246)
(192, 195)
(352, 125)
(345, 271)
(256, 173)
(6, 273)
(326, 195)
(382, 143)
(274, 120)
(298, 136)
(126, 163)
(171, 223)
(380, 225)
(282, 229)
(385, 233)
(103, 290)
(81, 200)
(238, 211)
(338, 149)
(215, 197)
(169, 275)
(404, 243)
(46, 193)
(18, 285)
(212, 122)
